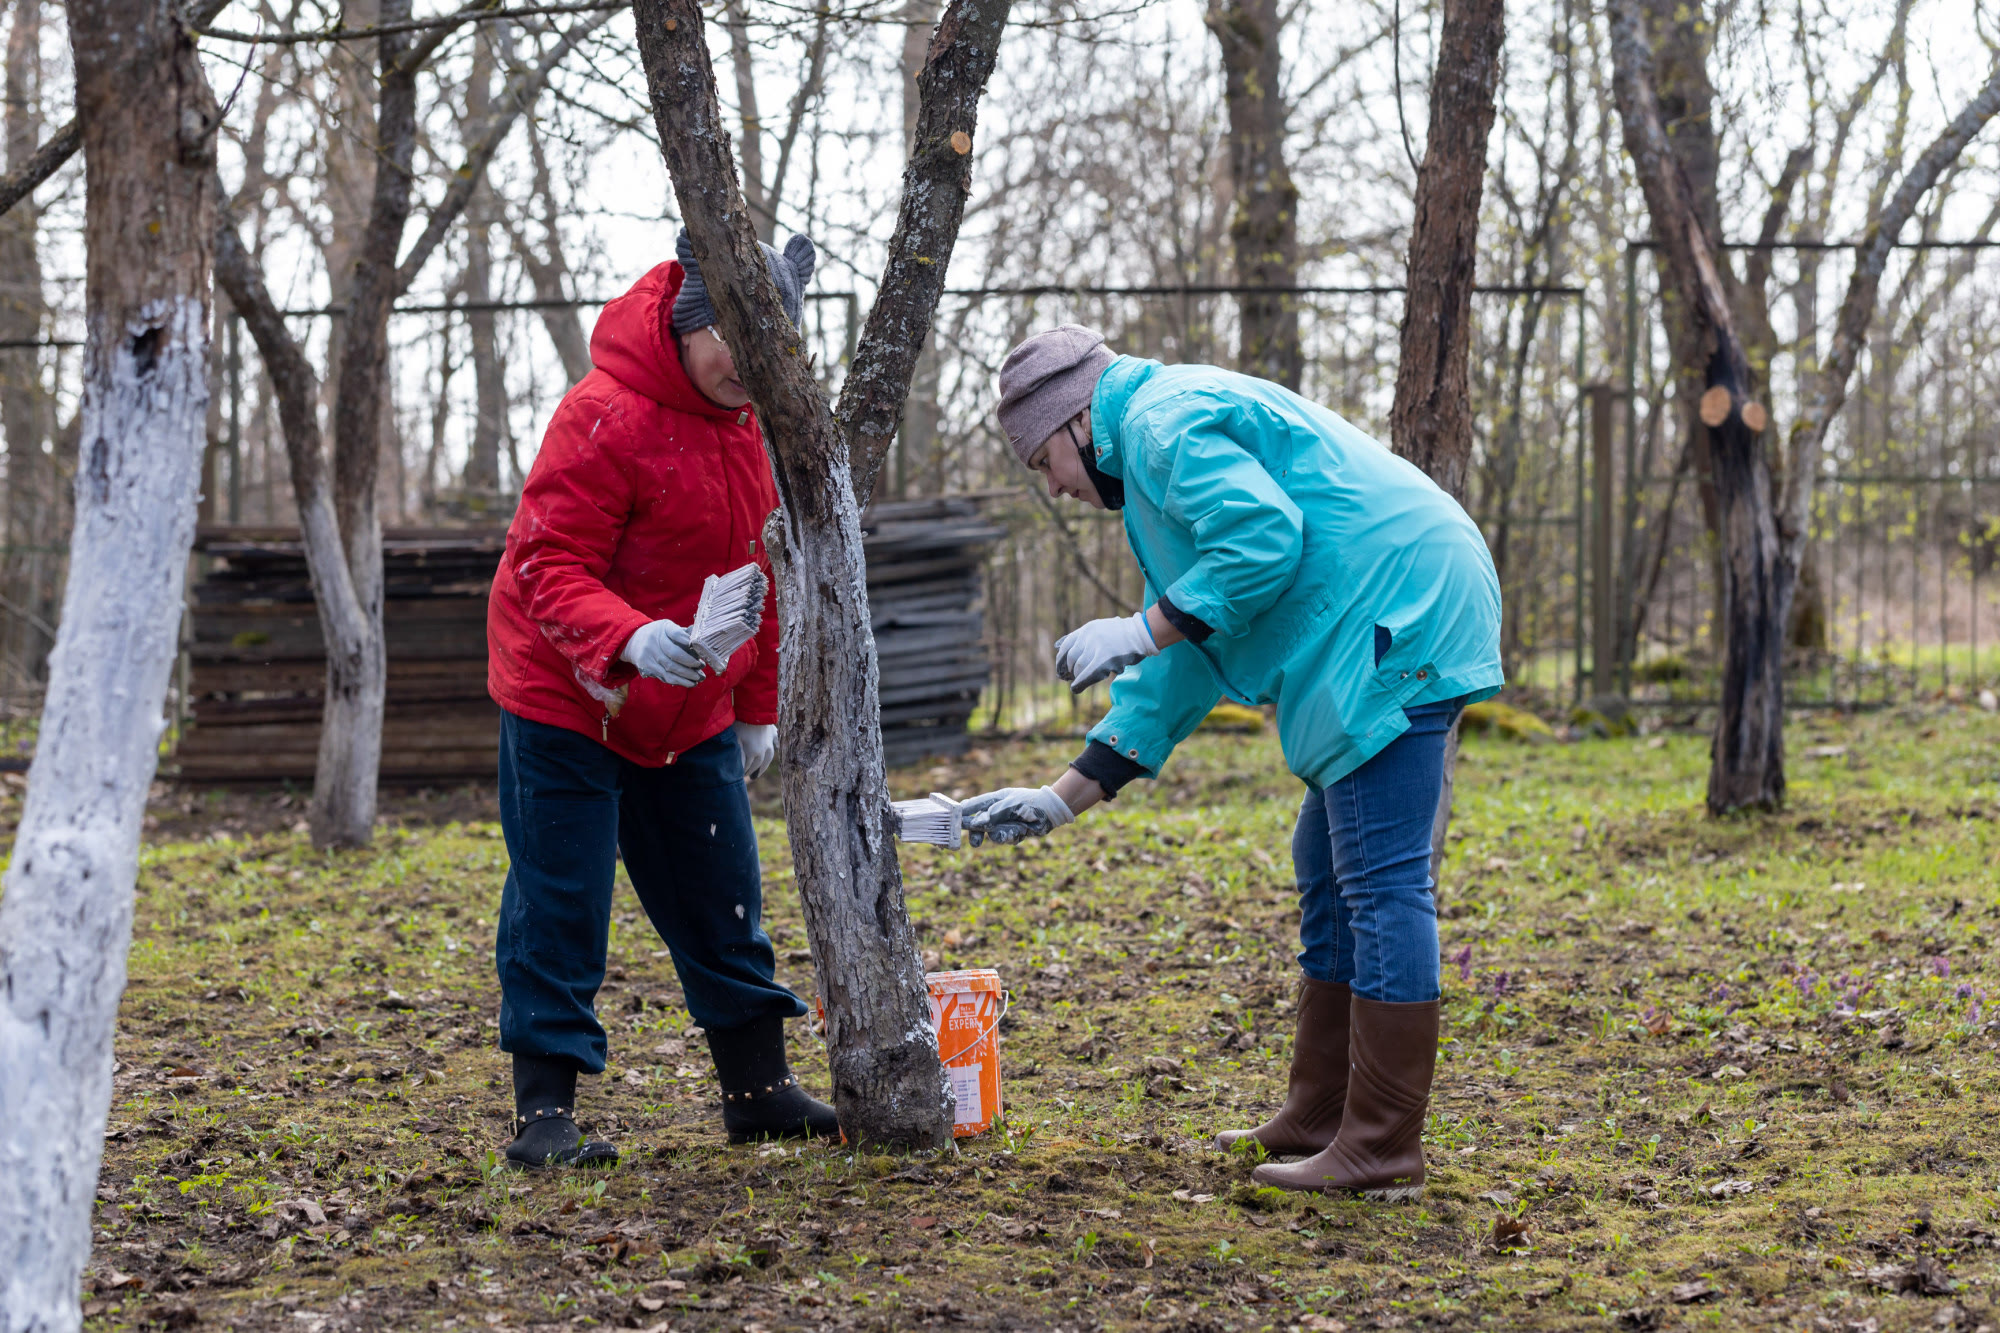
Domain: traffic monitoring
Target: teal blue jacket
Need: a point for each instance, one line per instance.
(1294, 536)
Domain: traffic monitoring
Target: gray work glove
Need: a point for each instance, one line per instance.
(760, 746)
(1089, 653)
(660, 650)
(1013, 813)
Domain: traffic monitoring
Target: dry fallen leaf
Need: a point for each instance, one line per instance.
(1510, 1233)
(1687, 1293)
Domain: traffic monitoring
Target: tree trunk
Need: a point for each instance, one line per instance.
(489, 385)
(147, 122)
(918, 434)
(342, 813)
(28, 581)
(888, 1084)
(1264, 223)
(1747, 766)
(936, 180)
(1762, 538)
(1430, 422)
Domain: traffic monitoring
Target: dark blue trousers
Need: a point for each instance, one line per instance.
(569, 808)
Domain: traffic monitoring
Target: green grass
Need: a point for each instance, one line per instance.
(1750, 1060)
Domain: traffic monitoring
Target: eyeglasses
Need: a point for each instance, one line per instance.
(716, 334)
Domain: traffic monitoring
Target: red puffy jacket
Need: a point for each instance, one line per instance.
(643, 487)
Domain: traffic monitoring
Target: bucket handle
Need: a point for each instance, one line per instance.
(1006, 999)
(1006, 1002)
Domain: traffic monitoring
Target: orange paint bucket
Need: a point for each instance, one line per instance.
(966, 1009)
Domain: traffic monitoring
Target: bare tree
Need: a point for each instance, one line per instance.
(888, 1085)
(1763, 534)
(147, 124)
(1264, 227)
(350, 597)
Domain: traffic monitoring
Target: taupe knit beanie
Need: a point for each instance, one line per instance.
(1047, 380)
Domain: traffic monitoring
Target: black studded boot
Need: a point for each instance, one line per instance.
(545, 1128)
(761, 1096)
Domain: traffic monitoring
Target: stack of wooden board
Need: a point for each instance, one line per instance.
(924, 563)
(257, 664)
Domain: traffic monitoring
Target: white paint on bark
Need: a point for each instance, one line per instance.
(66, 918)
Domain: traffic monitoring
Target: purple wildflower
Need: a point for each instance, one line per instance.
(1941, 965)
(1463, 958)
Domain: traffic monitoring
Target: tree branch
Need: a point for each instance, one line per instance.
(516, 98)
(935, 184)
(1808, 435)
(1670, 197)
(62, 145)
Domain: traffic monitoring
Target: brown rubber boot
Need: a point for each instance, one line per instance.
(1310, 1117)
(1379, 1152)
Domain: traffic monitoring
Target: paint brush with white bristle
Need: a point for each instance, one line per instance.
(934, 819)
(729, 616)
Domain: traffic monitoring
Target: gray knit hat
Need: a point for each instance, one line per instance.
(1047, 380)
(791, 270)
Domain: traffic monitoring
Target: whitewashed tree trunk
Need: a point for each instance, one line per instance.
(147, 123)
(887, 1083)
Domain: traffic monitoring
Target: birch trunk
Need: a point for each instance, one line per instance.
(1430, 422)
(888, 1085)
(147, 123)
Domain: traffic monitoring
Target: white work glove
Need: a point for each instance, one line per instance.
(760, 747)
(1013, 813)
(1089, 653)
(660, 650)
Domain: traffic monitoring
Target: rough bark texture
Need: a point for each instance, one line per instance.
(888, 1085)
(936, 180)
(1264, 223)
(147, 123)
(1430, 421)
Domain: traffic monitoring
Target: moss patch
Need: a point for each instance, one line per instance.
(1693, 1073)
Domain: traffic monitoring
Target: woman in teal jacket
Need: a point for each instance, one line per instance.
(1289, 559)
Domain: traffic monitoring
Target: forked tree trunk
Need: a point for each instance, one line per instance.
(339, 523)
(1430, 422)
(1763, 536)
(65, 923)
(1264, 218)
(888, 1085)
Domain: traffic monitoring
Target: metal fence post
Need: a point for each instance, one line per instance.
(1603, 649)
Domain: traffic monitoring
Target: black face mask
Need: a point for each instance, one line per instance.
(1109, 489)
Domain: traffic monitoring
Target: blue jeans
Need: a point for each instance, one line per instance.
(1362, 851)
(569, 807)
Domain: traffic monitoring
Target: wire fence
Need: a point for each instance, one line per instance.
(1593, 497)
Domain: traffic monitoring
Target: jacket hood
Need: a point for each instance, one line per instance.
(634, 344)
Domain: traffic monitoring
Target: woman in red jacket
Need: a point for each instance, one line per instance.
(614, 739)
